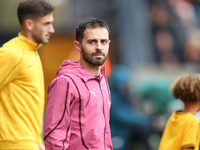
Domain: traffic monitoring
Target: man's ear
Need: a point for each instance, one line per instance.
(77, 45)
(29, 24)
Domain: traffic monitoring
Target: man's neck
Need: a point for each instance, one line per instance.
(27, 35)
(94, 70)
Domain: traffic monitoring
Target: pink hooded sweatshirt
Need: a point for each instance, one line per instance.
(78, 110)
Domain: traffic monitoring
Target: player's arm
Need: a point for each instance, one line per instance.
(9, 62)
(57, 117)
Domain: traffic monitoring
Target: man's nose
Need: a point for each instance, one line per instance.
(99, 45)
(51, 29)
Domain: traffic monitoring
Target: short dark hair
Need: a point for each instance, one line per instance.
(33, 9)
(89, 23)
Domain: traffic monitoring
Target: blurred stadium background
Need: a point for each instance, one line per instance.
(158, 40)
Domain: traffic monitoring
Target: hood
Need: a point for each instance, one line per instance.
(73, 67)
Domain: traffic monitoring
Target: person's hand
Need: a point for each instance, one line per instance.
(41, 146)
(189, 148)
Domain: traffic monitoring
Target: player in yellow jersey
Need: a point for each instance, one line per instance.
(21, 79)
(182, 129)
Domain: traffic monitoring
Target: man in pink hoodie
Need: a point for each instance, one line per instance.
(78, 105)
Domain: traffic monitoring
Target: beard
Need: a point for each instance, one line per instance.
(89, 59)
(39, 39)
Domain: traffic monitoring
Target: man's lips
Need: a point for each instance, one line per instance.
(98, 55)
(48, 36)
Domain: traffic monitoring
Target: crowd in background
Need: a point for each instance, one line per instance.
(176, 32)
(176, 35)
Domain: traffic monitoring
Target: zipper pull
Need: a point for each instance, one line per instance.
(100, 85)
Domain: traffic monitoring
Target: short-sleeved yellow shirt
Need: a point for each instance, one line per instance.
(181, 131)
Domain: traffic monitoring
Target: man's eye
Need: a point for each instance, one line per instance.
(103, 41)
(48, 23)
(92, 42)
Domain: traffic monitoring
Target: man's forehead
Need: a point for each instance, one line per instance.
(47, 18)
(96, 33)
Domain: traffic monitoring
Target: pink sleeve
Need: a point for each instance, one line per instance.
(57, 117)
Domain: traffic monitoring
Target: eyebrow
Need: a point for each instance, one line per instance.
(97, 40)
